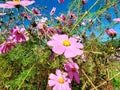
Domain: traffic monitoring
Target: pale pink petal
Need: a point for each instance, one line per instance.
(58, 72)
(116, 19)
(51, 43)
(76, 66)
(60, 37)
(76, 50)
(51, 83)
(69, 53)
(66, 86)
(74, 43)
(58, 49)
(27, 3)
(52, 76)
(57, 87)
(72, 52)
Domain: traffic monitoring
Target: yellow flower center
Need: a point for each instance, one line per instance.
(16, 0)
(73, 69)
(61, 80)
(66, 43)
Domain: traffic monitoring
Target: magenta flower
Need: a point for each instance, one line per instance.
(72, 69)
(111, 32)
(59, 81)
(116, 19)
(20, 3)
(63, 45)
(18, 35)
(6, 6)
(52, 11)
(60, 1)
(6, 47)
(36, 11)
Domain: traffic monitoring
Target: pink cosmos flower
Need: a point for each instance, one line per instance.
(84, 1)
(72, 15)
(83, 57)
(111, 32)
(59, 81)
(6, 47)
(2, 5)
(20, 3)
(18, 35)
(25, 15)
(72, 69)
(51, 30)
(40, 25)
(60, 1)
(63, 45)
(43, 20)
(36, 11)
(52, 11)
(116, 19)
(62, 18)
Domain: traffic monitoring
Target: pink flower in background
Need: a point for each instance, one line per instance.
(25, 15)
(63, 45)
(72, 69)
(72, 15)
(84, 2)
(20, 3)
(62, 18)
(2, 5)
(59, 81)
(6, 47)
(111, 32)
(1, 14)
(18, 35)
(116, 19)
(40, 25)
(60, 1)
(52, 11)
(83, 57)
(36, 11)
(43, 20)
(51, 30)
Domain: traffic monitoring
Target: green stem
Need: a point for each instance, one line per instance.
(25, 77)
(83, 16)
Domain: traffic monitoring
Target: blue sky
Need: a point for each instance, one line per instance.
(63, 8)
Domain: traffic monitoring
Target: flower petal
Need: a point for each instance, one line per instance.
(75, 43)
(76, 77)
(52, 76)
(51, 83)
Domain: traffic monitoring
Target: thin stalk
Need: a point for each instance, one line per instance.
(105, 81)
(83, 16)
(88, 79)
(25, 77)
